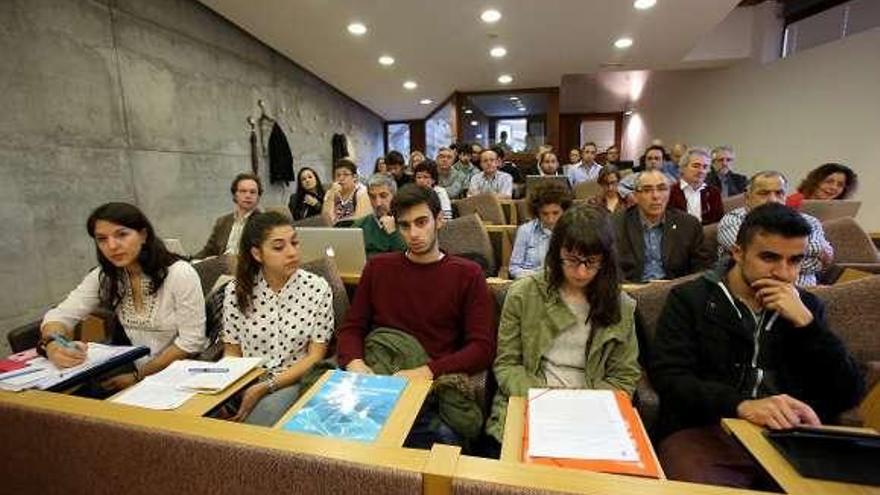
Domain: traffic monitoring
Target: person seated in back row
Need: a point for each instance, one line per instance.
(380, 230)
(491, 180)
(437, 305)
(655, 242)
(588, 169)
(547, 202)
(769, 187)
(425, 175)
(826, 182)
(346, 199)
(246, 191)
(569, 326)
(275, 310)
(691, 193)
(746, 342)
(156, 296)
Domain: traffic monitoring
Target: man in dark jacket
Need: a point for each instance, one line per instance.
(722, 175)
(747, 343)
(655, 242)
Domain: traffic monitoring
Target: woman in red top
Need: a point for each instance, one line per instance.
(828, 181)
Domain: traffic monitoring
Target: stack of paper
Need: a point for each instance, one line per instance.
(181, 380)
(578, 424)
(41, 373)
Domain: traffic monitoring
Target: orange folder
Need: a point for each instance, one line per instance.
(647, 465)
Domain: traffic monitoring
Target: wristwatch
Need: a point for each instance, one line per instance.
(271, 383)
(43, 343)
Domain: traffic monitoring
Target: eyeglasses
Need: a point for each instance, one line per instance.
(651, 189)
(575, 263)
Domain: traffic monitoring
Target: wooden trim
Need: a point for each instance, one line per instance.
(511, 447)
(439, 471)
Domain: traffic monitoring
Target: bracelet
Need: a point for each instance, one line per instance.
(272, 384)
(137, 374)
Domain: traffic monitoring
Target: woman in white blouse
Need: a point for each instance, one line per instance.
(156, 296)
(274, 310)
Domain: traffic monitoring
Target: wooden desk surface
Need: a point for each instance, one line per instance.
(397, 427)
(350, 278)
(752, 438)
(201, 404)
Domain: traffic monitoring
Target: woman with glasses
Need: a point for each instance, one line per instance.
(346, 199)
(608, 197)
(569, 326)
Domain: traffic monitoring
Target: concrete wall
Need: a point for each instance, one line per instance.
(143, 102)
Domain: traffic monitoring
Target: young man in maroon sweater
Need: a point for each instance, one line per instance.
(441, 300)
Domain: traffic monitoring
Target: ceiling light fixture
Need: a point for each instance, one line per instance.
(644, 4)
(479, 136)
(410, 85)
(505, 79)
(513, 98)
(468, 111)
(629, 112)
(357, 29)
(386, 60)
(490, 16)
(623, 43)
(426, 101)
(522, 109)
(474, 123)
(498, 52)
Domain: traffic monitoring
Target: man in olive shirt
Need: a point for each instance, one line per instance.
(380, 229)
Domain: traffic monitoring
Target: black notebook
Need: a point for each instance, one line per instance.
(834, 455)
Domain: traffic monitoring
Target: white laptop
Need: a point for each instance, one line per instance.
(826, 210)
(345, 246)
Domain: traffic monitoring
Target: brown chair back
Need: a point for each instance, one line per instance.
(312, 221)
(851, 243)
(486, 205)
(733, 202)
(326, 268)
(710, 240)
(586, 190)
(467, 235)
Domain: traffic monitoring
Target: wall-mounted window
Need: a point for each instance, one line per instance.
(810, 24)
(513, 132)
(398, 138)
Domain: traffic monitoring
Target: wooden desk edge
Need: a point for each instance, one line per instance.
(202, 404)
(514, 425)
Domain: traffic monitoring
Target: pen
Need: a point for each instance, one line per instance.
(207, 370)
(62, 341)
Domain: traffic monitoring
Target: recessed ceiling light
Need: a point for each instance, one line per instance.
(628, 112)
(522, 109)
(623, 42)
(474, 123)
(490, 16)
(386, 60)
(513, 98)
(644, 4)
(468, 111)
(357, 29)
(505, 79)
(498, 51)
(479, 136)
(426, 101)
(410, 85)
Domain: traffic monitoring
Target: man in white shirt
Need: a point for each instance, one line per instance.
(691, 193)
(491, 179)
(246, 190)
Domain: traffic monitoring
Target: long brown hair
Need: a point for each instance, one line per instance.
(253, 235)
(587, 231)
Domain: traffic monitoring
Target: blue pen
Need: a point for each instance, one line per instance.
(207, 370)
(62, 341)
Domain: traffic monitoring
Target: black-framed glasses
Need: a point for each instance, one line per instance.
(588, 263)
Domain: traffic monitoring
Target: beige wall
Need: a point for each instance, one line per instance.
(820, 105)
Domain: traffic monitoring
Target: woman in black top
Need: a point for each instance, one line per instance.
(309, 195)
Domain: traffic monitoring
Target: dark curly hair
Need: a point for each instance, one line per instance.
(549, 193)
(809, 185)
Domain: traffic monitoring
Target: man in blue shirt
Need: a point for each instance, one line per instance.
(588, 169)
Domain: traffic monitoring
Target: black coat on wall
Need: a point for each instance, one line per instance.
(280, 157)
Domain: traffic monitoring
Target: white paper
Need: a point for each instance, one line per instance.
(578, 424)
(153, 395)
(50, 374)
(211, 383)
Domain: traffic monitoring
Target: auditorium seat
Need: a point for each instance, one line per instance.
(486, 205)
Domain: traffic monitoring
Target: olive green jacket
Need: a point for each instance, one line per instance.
(532, 317)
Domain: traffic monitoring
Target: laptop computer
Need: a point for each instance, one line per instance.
(345, 246)
(534, 180)
(825, 209)
(829, 454)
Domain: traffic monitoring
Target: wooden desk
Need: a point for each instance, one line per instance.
(752, 438)
(510, 212)
(397, 427)
(350, 278)
(201, 404)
